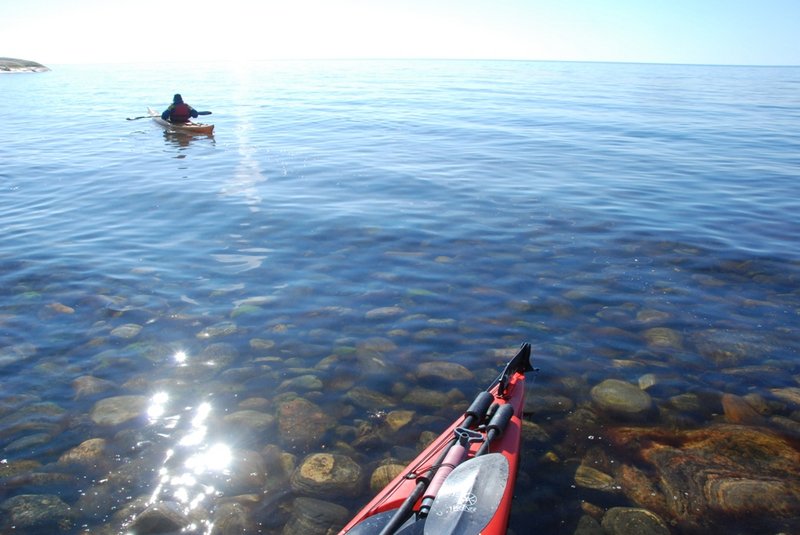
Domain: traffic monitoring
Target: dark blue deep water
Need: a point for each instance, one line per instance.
(350, 220)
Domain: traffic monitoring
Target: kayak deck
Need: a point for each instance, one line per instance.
(487, 472)
(185, 128)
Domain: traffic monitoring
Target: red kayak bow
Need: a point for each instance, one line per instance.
(463, 482)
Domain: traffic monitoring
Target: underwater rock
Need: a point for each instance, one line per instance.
(384, 312)
(301, 423)
(246, 473)
(301, 383)
(383, 475)
(28, 442)
(16, 353)
(315, 517)
(46, 417)
(127, 331)
(41, 480)
(788, 425)
(117, 410)
(232, 519)
(648, 380)
(61, 308)
(739, 411)
(633, 521)
(279, 465)
(621, 398)
(589, 526)
(699, 479)
(649, 315)
(688, 402)
(663, 338)
(261, 343)
(445, 371)
(35, 513)
(217, 357)
(251, 420)
(434, 399)
(790, 395)
(548, 404)
(223, 328)
(398, 419)
(88, 385)
(727, 348)
(591, 478)
(89, 454)
(375, 345)
(371, 356)
(368, 437)
(11, 469)
(533, 432)
(368, 399)
(327, 474)
(160, 518)
(255, 404)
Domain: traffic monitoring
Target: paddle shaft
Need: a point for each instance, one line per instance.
(149, 116)
(454, 457)
(401, 515)
(458, 453)
(483, 477)
(474, 414)
(405, 510)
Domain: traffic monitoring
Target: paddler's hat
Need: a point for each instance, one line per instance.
(177, 99)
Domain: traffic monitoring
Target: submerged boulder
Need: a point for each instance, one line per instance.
(327, 474)
(302, 424)
(707, 478)
(315, 517)
(40, 513)
(621, 398)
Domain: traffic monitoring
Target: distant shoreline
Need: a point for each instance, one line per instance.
(11, 65)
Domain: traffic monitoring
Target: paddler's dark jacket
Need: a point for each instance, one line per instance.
(179, 113)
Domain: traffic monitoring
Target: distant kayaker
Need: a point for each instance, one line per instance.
(178, 111)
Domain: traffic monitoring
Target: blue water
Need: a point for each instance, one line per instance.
(491, 202)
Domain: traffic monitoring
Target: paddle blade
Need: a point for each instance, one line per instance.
(469, 497)
(374, 524)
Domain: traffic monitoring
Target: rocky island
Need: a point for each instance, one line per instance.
(20, 65)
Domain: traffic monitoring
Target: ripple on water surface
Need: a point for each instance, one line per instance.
(253, 331)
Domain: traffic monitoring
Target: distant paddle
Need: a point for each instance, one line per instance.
(149, 116)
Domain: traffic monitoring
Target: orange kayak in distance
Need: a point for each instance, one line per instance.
(184, 128)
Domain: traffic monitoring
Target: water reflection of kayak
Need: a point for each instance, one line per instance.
(187, 128)
(463, 482)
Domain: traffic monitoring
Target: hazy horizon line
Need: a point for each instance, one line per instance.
(419, 59)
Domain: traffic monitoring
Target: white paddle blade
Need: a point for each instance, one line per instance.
(469, 497)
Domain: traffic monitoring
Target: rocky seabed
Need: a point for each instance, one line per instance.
(243, 429)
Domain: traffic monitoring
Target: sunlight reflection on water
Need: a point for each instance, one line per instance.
(632, 221)
(192, 466)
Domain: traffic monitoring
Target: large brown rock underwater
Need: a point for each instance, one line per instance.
(708, 480)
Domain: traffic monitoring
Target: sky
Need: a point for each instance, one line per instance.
(724, 32)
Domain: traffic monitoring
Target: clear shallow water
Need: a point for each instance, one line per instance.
(473, 205)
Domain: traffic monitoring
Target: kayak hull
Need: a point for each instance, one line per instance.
(184, 128)
(504, 449)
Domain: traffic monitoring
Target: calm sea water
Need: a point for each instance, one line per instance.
(636, 222)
